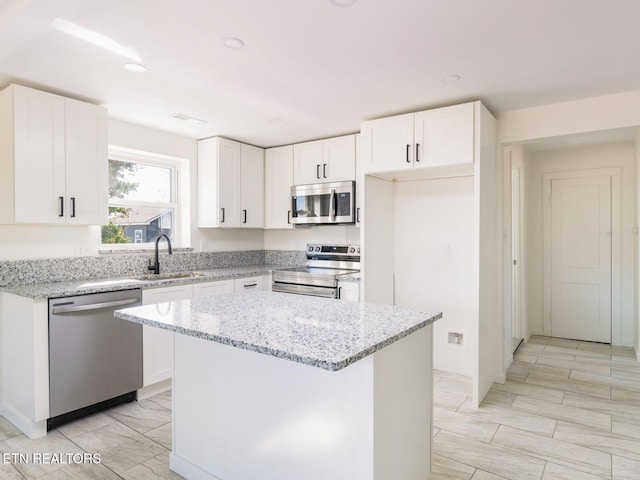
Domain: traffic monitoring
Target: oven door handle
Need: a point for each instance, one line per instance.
(304, 290)
(333, 206)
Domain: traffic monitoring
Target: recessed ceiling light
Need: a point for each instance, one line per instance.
(452, 78)
(187, 118)
(274, 120)
(134, 67)
(342, 3)
(232, 42)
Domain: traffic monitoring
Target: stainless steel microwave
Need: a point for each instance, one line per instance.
(323, 203)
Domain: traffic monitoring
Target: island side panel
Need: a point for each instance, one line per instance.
(239, 414)
(25, 363)
(403, 408)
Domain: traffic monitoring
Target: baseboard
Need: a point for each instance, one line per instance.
(30, 428)
(500, 378)
(154, 389)
(189, 470)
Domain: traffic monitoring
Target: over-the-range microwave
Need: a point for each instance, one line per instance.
(323, 203)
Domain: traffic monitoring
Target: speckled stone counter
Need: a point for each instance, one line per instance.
(320, 332)
(83, 287)
(249, 400)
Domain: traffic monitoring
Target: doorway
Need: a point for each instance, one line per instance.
(579, 217)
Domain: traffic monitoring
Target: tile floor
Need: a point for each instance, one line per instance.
(133, 441)
(568, 411)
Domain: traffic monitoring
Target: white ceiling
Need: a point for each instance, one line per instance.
(319, 68)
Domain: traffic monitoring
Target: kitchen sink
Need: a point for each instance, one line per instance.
(170, 276)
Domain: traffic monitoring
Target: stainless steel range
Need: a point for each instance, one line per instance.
(319, 278)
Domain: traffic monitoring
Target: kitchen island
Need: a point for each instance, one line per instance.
(278, 386)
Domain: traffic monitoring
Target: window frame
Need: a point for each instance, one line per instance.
(177, 201)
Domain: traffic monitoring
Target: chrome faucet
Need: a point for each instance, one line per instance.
(156, 267)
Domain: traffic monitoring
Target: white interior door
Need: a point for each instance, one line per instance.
(515, 255)
(581, 258)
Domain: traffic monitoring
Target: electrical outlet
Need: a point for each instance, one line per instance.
(456, 338)
(82, 250)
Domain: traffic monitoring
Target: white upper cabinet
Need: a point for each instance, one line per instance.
(278, 181)
(228, 187)
(86, 164)
(444, 136)
(252, 187)
(307, 163)
(330, 160)
(434, 138)
(230, 184)
(53, 159)
(387, 144)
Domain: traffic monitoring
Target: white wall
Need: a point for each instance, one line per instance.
(600, 156)
(595, 114)
(298, 238)
(434, 262)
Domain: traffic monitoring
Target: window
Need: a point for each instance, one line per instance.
(143, 199)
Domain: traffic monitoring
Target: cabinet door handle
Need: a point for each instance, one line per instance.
(417, 148)
(408, 147)
(245, 216)
(324, 170)
(289, 217)
(222, 221)
(318, 171)
(61, 200)
(358, 215)
(339, 293)
(73, 206)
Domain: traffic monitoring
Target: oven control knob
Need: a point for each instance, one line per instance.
(311, 249)
(352, 250)
(317, 249)
(358, 249)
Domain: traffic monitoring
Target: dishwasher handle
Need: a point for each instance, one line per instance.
(93, 306)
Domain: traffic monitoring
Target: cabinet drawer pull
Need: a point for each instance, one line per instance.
(324, 170)
(222, 221)
(408, 147)
(249, 285)
(245, 216)
(61, 200)
(318, 171)
(417, 148)
(73, 206)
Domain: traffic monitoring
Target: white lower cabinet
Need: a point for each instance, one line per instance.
(212, 288)
(250, 283)
(157, 344)
(349, 291)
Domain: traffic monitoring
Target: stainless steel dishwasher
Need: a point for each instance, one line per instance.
(95, 360)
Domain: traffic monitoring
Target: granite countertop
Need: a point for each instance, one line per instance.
(325, 333)
(83, 287)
